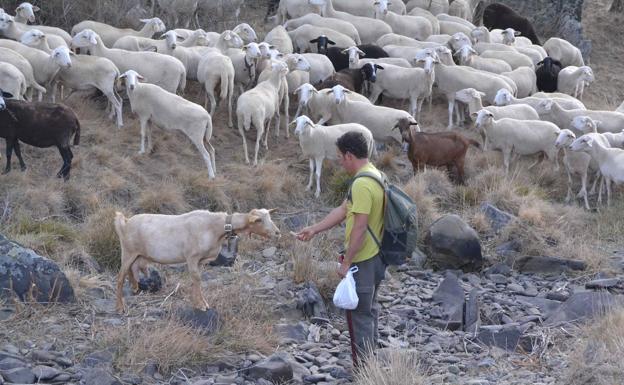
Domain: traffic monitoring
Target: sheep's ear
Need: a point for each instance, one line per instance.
(314, 40)
(482, 94)
(294, 121)
(474, 115)
(330, 42)
(254, 219)
(6, 94)
(162, 36)
(597, 122)
(361, 53)
(413, 123)
(379, 67)
(178, 37)
(271, 211)
(344, 51)
(346, 91)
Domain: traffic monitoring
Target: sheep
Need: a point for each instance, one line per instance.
(25, 13)
(547, 73)
(290, 9)
(305, 37)
(155, 105)
(363, 7)
(217, 69)
(36, 39)
(481, 47)
(535, 55)
(564, 52)
(319, 142)
(84, 72)
(435, 149)
(468, 57)
(434, 6)
(607, 121)
(396, 82)
(435, 23)
(586, 125)
(243, 30)
(400, 40)
(525, 80)
(522, 137)
(504, 97)
(38, 124)
(356, 62)
(162, 70)
(318, 104)
(12, 80)
(110, 34)
(191, 237)
(620, 108)
(337, 25)
(514, 59)
(460, 8)
(321, 67)
(576, 164)
(439, 39)
(379, 120)
(480, 34)
(280, 38)
(351, 79)
(413, 26)
(454, 19)
(498, 15)
(7, 55)
(610, 160)
(13, 30)
(458, 40)
(451, 28)
(369, 29)
(258, 106)
(559, 95)
(245, 65)
(343, 58)
(403, 52)
(572, 80)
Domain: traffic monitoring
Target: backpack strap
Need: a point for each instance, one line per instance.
(382, 182)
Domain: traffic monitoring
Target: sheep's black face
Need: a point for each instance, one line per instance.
(321, 44)
(369, 72)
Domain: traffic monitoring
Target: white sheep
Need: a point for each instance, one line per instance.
(337, 25)
(302, 37)
(607, 121)
(8, 55)
(620, 108)
(440, 39)
(12, 80)
(468, 57)
(396, 82)
(403, 52)
(363, 7)
(413, 26)
(514, 59)
(321, 67)
(162, 70)
(356, 62)
(394, 39)
(460, 8)
(245, 63)
(550, 95)
(525, 80)
(319, 142)
(110, 34)
(369, 29)
(243, 30)
(280, 39)
(215, 69)
(25, 13)
(318, 104)
(154, 105)
(14, 30)
(451, 28)
(572, 80)
(504, 97)
(562, 50)
(434, 6)
(577, 164)
(522, 137)
(586, 125)
(290, 9)
(258, 106)
(36, 39)
(435, 23)
(454, 19)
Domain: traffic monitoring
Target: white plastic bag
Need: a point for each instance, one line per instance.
(345, 296)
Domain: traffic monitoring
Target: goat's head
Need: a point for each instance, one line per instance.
(85, 38)
(154, 24)
(259, 222)
(26, 11)
(369, 71)
(305, 92)
(584, 124)
(131, 78)
(584, 143)
(482, 118)
(303, 125)
(354, 54)
(2, 96)
(61, 55)
(404, 125)
(321, 43)
(339, 93)
(565, 138)
(245, 31)
(32, 37)
(503, 97)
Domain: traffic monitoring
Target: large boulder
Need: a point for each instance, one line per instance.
(24, 273)
(449, 295)
(452, 244)
(497, 218)
(276, 369)
(583, 306)
(545, 265)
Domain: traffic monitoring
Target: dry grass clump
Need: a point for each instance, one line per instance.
(100, 238)
(427, 204)
(168, 198)
(597, 359)
(396, 367)
(338, 187)
(316, 261)
(46, 237)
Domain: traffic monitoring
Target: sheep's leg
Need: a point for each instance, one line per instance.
(602, 179)
(259, 124)
(451, 106)
(241, 131)
(230, 95)
(374, 95)
(199, 143)
(126, 263)
(309, 186)
(506, 159)
(286, 112)
(143, 133)
(18, 153)
(597, 177)
(608, 182)
(150, 129)
(213, 101)
(459, 165)
(296, 114)
(134, 274)
(419, 108)
(539, 160)
(413, 108)
(319, 167)
(584, 188)
(569, 193)
(9, 152)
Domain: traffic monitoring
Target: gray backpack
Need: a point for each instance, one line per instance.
(400, 224)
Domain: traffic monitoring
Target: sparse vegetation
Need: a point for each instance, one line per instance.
(392, 367)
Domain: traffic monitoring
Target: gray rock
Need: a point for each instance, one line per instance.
(498, 219)
(418, 259)
(499, 268)
(546, 265)
(297, 332)
(269, 252)
(11, 363)
(310, 302)
(585, 305)
(498, 278)
(546, 306)
(601, 284)
(506, 337)
(97, 359)
(472, 315)
(104, 306)
(22, 268)
(43, 372)
(275, 369)
(508, 249)
(151, 284)
(450, 295)
(98, 377)
(453, 244)
(207, 322)
(19, 376)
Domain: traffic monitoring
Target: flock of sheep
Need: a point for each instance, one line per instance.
(338, 57)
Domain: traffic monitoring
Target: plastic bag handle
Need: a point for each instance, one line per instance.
(354, 269)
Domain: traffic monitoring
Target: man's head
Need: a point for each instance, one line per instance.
(352, 151)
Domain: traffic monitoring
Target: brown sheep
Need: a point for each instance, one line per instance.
(435, 149)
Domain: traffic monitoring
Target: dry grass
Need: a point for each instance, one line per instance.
(396, 367)
(316, 261)
(598, 357)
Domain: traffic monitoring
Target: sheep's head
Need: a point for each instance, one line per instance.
(565, 138)
(154, 24)
(381, 7)
(584, 124)
(303, 125)
(443, 54)
(503, 97)
(85, 38)
(26, 11)
(62, 56)
(279, 67)
(297, 62)
(305, 92)
(468, 95)
(369, 71)
(480, 34)
(459, 40)
(465, 53)
(171, 39)
(259, 222)
(321, 43)
(252, 50)
(584, 143)
(429, 64)
(482, 118)
(354, 54)
(339, 93)
(587, 75)
(232, 39)
(131, 78)
(509, 36)
(544, 106)
(6, 21)
(245, 31)
(2, 96)
(32, 37)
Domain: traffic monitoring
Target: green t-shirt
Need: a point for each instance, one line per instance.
(367, 198)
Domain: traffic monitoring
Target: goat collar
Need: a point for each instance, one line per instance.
(228, 228)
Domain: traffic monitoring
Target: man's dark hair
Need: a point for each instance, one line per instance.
(353, 142)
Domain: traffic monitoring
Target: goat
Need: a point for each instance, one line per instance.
(547, 73)
(435, 149)
(192, 237)
(38, 124)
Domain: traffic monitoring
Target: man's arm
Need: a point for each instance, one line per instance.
(356, 240)
(336, 216)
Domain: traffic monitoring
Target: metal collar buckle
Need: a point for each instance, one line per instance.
(228, 228)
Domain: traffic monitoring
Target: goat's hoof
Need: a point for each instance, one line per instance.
(6, 171)
(23, 168)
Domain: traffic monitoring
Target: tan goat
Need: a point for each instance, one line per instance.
(193, 238)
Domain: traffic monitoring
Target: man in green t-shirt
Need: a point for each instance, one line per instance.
(364, 209)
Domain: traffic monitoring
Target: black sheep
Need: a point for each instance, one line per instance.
(547, 72)
(351, 78)
(500, 16)
(340, 57)
(40, 125)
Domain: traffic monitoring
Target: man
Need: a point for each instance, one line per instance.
(363, 209)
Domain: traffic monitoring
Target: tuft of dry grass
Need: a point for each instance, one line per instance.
(394, 367)
(100, 238)
(315, 261)
(167, 199)
(597, 359)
